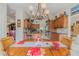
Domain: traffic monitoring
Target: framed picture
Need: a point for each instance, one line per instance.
(18, 23)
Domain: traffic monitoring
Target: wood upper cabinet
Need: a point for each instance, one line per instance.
(62, 22)
(65, 21)
(52, 26)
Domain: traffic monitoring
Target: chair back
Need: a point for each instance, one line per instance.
(66, 41)
(7, 41)
(2, 52)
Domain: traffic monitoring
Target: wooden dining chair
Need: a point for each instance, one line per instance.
(66, 41)
(17, 51)
(7, 41)
(59, 52)
(2, 52)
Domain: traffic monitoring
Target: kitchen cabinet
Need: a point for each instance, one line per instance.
(62, 22)
(55, 36)
(52, 25)
(76, 30)
(65, 22)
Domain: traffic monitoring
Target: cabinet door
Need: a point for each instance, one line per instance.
(65, 21)
(56, 24)
(55, 37)
(52, 26)
(76, 31)
(60, 22)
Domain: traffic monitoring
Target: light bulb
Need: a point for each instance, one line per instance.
(33, 13)
(43, 6)
(46, 12)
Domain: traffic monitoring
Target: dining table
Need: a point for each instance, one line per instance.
(23, 48)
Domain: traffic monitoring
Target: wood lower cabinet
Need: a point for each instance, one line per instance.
(55, 36)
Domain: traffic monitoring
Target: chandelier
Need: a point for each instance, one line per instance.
(41, 12)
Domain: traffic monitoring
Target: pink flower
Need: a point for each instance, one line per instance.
(26, 37)
(36, 37)
(35, 51)
(56, 44)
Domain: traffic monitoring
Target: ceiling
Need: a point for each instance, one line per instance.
(54, 8)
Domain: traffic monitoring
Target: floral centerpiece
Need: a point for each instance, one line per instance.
(36, 51)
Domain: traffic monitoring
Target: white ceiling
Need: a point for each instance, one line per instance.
(54, 8)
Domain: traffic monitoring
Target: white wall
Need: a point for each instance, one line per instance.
(19, 30)
(3, 20)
